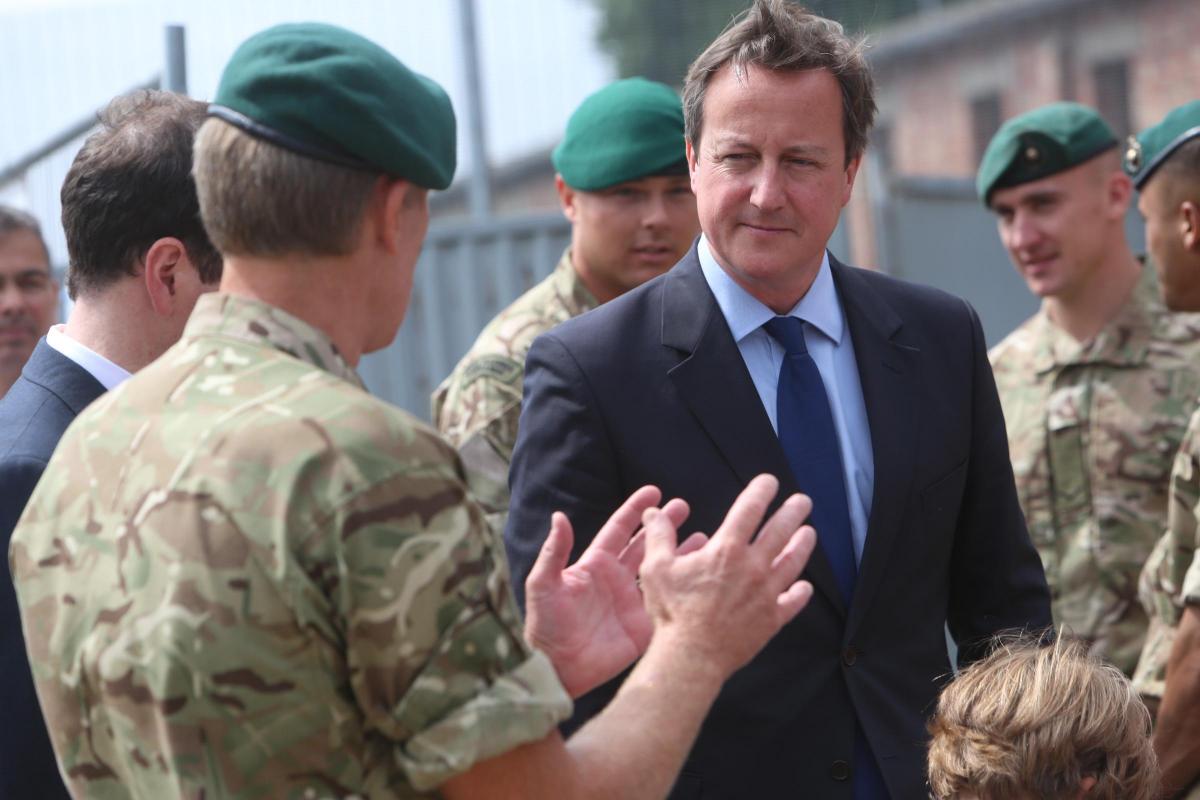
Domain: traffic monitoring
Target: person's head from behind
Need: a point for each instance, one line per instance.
(134, 237)
(1052, 176)
(776, 114)
(623, 182)
(1164, 161)
(28, 292)
(321, 147)
(1041, 722)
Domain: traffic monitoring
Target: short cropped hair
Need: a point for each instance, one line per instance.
(1033, 721)
(258, 199)
(13, 220)
(130, 185)
(779, 35)
(1183, 167)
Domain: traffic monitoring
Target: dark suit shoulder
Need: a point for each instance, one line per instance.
(905, 294)
(32, 420)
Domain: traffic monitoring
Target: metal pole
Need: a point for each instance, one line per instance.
(480, 188)
(175, 71)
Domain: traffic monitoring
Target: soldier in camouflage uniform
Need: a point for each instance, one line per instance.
(243, 576)
(1165, 163)
(1098, 386)
(622, 179)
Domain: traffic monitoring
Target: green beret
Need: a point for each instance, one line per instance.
(335, 96)
(629, 129)
(1150, 148)
(1040, 143)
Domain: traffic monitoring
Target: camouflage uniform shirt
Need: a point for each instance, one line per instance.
(1171, 579)
(1093, 429)
(243, 576)
(478, 406)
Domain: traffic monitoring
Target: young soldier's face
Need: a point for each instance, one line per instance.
(624, 235)
(1053, 228)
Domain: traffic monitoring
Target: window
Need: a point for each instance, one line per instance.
(985, 121)
(1112, 94)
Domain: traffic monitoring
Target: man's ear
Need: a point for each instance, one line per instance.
(385, 212)
(1189, 222)
(1119, 194)
(165, 263)
(689, 153)
(566, 198)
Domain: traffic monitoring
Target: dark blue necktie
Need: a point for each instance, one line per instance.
(810, 442)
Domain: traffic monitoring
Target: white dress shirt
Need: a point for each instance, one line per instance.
(106, 372)
(832, 350)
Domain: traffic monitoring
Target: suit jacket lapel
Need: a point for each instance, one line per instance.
(889, 371)
(715, 385)
(62, 377)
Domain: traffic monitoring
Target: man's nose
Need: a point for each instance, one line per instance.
(767, 193)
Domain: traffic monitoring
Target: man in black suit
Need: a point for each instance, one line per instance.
(759, 352)
(139, 258)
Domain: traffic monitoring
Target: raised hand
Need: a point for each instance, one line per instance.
(589, 618)
(722, 602)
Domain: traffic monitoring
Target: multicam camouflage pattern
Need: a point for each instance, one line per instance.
(1093, 430)
(477, 407)
(242, 576)
(1171, 579)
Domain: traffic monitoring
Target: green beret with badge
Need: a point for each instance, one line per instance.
(1040, 143)
(1147, 151)
(629, 129)
(329, 94)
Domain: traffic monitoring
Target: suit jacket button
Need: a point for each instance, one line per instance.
(849, 656)
(839, 770)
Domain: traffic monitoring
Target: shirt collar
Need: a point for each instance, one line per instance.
(108, 374)
(745, 313)
(254, 321)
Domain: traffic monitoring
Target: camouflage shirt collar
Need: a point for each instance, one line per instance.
(569, 286)
(259, 323)
(1124, 341)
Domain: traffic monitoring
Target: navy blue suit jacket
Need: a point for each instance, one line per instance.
(651, 389)
(51, 392)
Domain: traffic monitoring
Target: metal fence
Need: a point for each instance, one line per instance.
(467, 272)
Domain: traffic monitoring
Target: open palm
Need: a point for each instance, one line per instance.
(589, 617)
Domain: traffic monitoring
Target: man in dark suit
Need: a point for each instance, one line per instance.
(139, 258)
(759, 352)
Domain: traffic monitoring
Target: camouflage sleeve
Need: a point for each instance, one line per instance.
(477, 412)
(434, 644)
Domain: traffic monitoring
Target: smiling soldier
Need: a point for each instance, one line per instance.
(1097, 387)
(623, 184)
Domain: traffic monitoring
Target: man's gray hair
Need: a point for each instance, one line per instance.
(779, 35)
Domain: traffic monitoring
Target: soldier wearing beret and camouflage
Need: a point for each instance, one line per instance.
(1164, 161)
(623, 183)
(1097, 387)
(243, 576)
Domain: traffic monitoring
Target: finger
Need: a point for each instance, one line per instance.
(677, 510)
(691, 544)
(792, 560)
(623, 524)
(783, 523)
(792, 601)
(661, 536)
(631, 556)
(552, 558)
(747, 511)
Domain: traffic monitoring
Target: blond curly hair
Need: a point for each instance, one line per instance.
(1034, 721)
